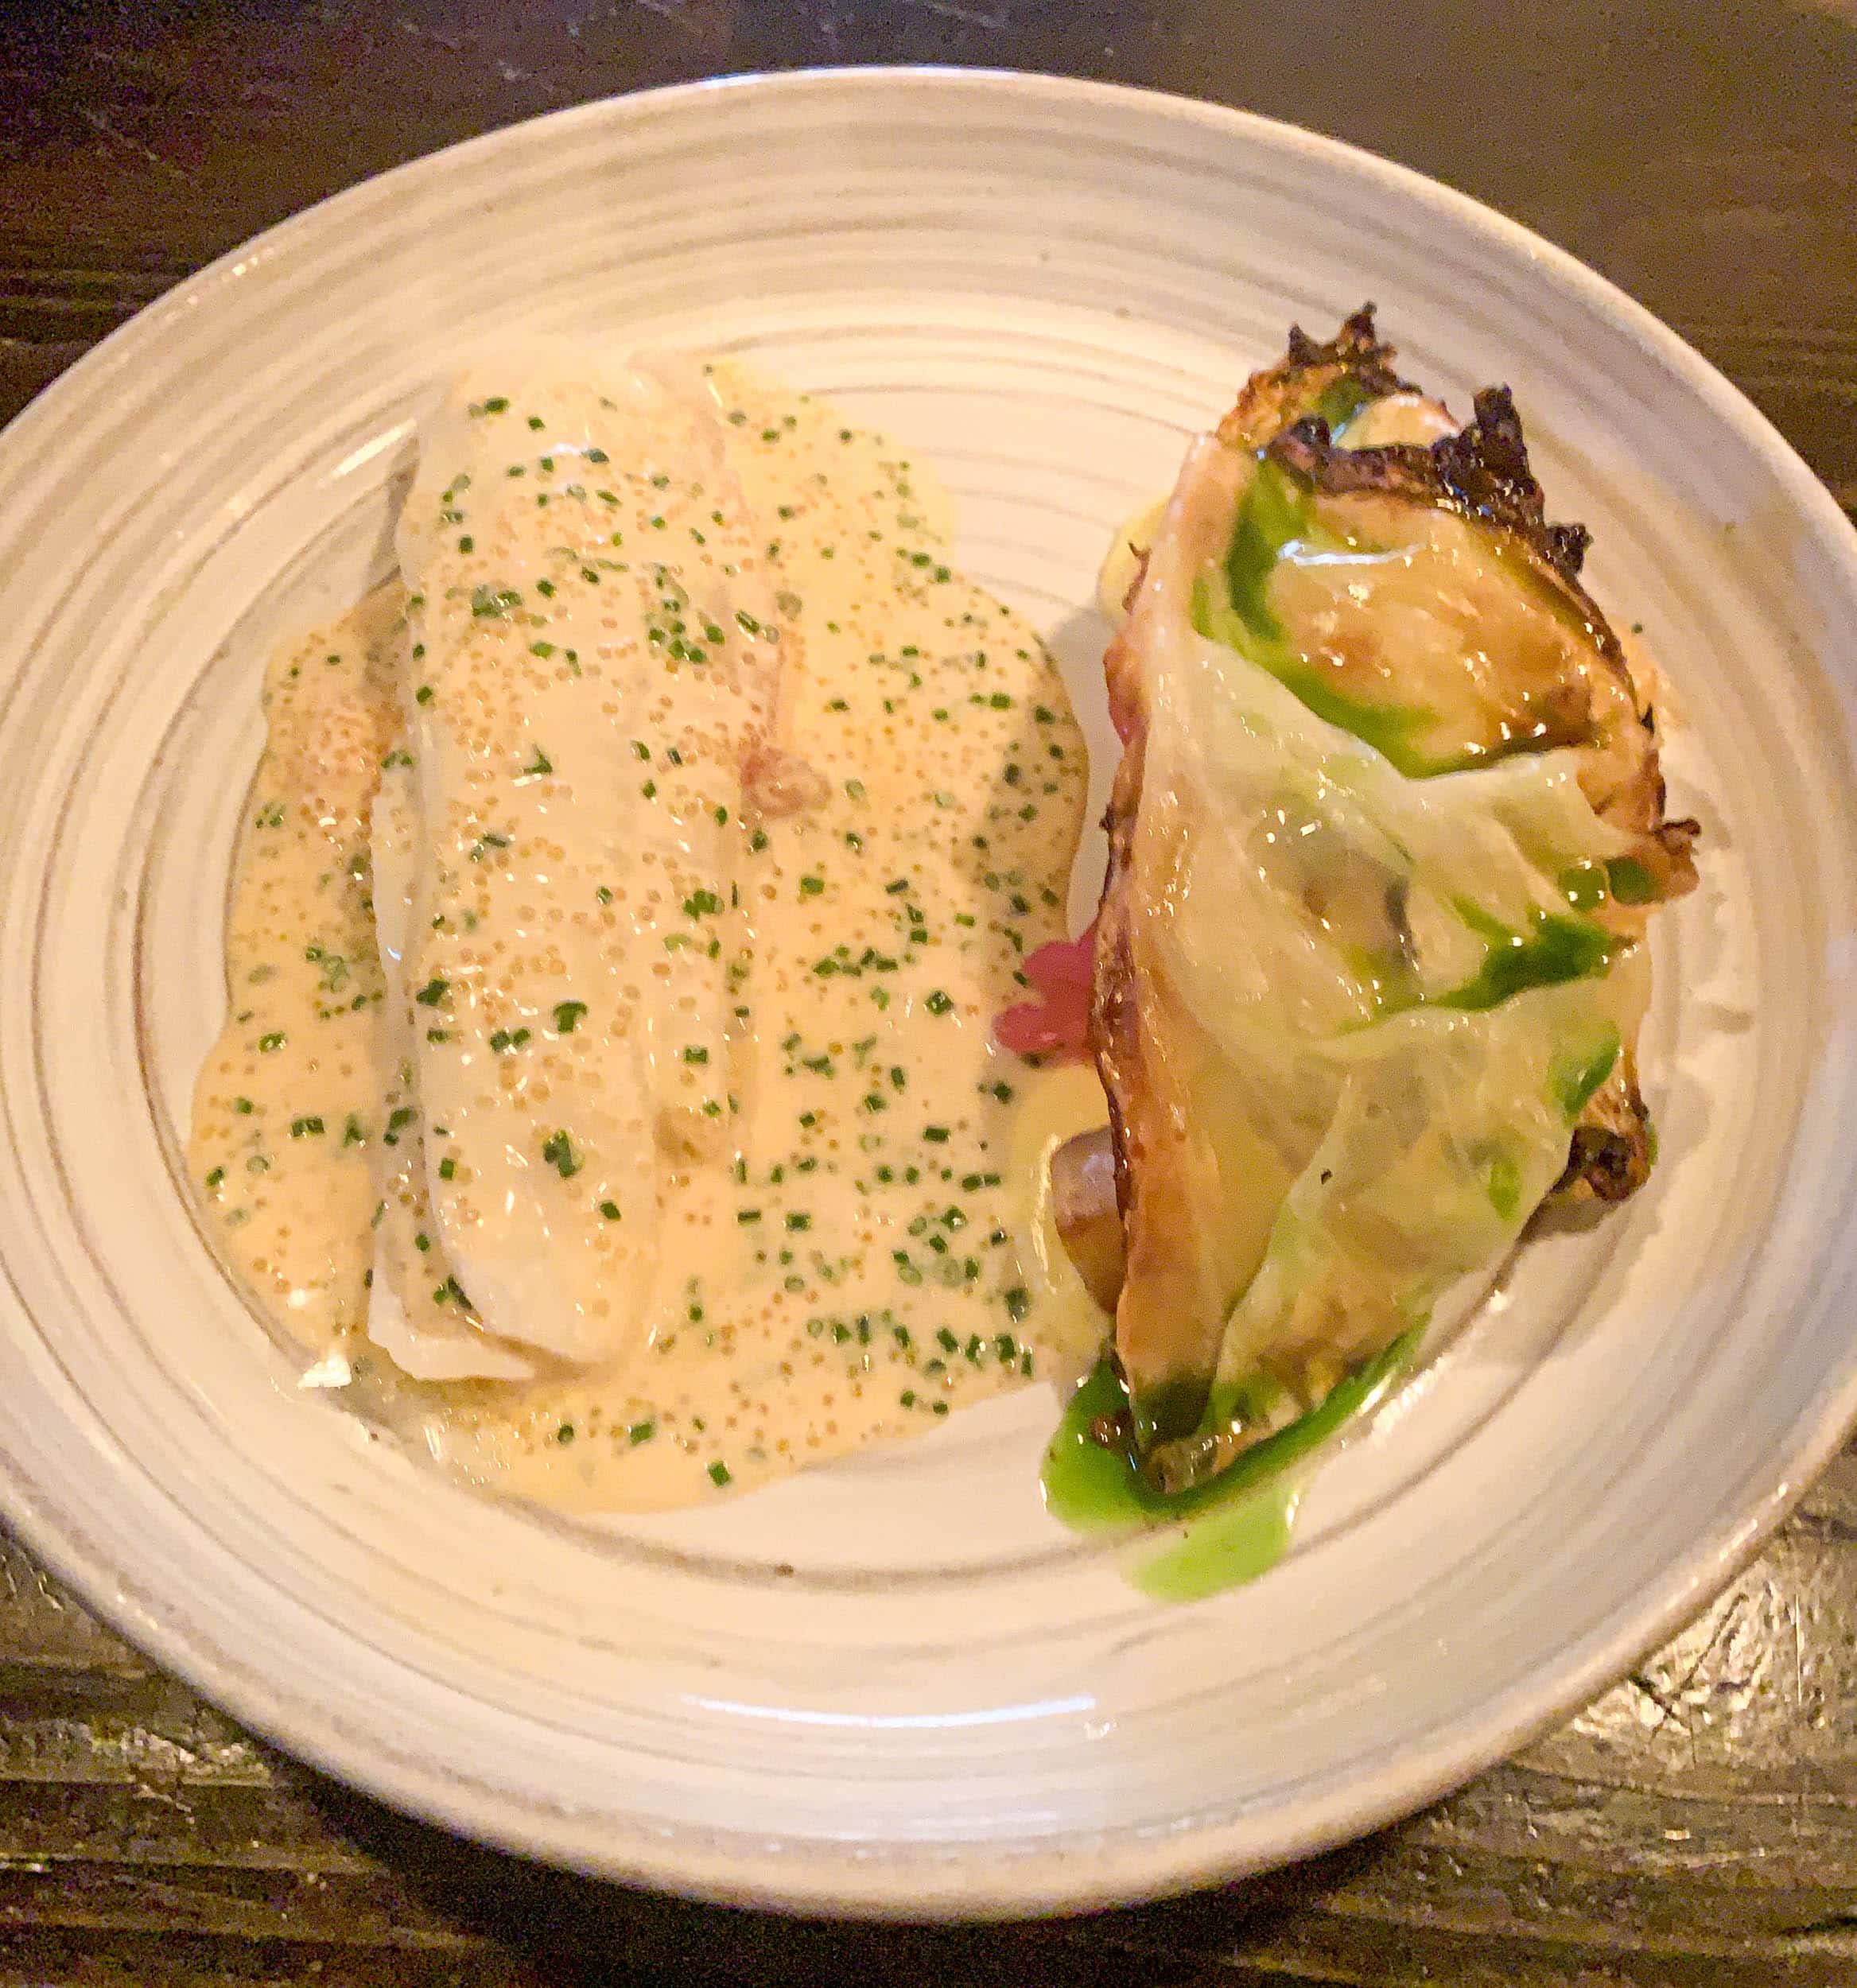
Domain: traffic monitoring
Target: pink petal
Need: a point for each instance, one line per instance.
(1057, 1022)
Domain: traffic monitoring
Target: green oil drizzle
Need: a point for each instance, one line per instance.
(1577, 1074)
(1631, 883)
(1238, 1525)
(1273, 515)
(1225, 1549)
(1553, 951)
(1276, 517)
(1503, 1178)
(1276, 520)
(1584, 886)
(1388, 728)
(1624, 880)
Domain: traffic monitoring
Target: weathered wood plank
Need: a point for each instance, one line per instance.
(78, 1958)
(40, 1625)
(52, 1824)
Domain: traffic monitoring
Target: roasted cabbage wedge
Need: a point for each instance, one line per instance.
(1369, 965)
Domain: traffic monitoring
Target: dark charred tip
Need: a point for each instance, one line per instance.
(1481, 472)
(1307, 450)
(1571, 542)
(1271, 398)
(1488, 458)
(1676, 843)
(1304, 445)
(1487, 464)
(1612, 1164)
(1357, 338)
(1679, 837)
(1492, 443)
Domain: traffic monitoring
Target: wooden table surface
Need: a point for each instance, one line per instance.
(1698, 1824)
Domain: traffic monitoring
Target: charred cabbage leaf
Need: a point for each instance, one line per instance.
(1387, 828)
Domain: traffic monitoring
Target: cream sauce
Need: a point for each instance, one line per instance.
(851, 1256)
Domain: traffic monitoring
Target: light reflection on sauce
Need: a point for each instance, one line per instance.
(850, 1271)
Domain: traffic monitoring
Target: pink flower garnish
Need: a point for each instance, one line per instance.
(1057, 1022)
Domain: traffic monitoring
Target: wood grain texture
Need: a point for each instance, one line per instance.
(1698, 1824)
(1702, 156)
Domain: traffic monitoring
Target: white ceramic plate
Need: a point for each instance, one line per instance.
(895, 1686)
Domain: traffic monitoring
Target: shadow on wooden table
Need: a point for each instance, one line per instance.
(565, 1930)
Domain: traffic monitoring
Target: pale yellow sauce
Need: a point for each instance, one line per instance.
(843, 1248)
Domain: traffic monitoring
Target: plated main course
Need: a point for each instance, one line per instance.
(656, 1060)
